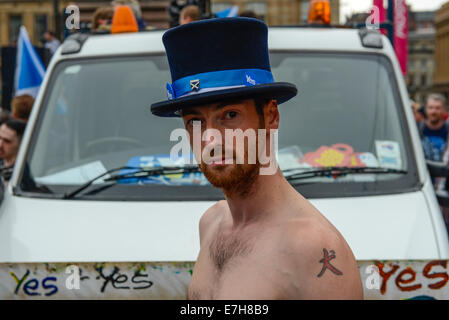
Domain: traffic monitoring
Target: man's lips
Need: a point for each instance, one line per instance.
(218, 161)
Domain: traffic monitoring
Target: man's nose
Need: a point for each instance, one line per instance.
(212, 135)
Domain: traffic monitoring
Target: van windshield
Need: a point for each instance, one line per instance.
(96, 116)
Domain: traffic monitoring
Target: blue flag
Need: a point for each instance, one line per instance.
(30, 70)
(228, 13)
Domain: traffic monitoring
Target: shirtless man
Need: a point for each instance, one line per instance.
(265, 241)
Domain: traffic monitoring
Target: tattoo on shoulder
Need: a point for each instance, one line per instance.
(328, 256)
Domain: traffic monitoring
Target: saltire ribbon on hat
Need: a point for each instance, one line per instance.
(217, 80)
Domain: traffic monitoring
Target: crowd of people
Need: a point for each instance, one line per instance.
(103, 18)
(433, 126)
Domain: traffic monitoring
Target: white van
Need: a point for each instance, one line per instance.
(70, 229)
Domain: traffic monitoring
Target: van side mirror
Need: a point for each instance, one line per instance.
(439, 170)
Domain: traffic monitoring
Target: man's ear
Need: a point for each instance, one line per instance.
(271, 115)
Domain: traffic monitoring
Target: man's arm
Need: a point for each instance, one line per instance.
(324, 266)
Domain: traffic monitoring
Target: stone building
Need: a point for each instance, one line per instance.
(421, 51)
(277, 12)
(421, 55)
(421, 63)
(441, 79)
(38, 16)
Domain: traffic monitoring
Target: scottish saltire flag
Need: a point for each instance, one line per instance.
(228, 13)
(30, 70)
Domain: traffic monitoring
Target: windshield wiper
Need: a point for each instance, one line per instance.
(72, 194)
(138, 173)
(339, 171)
(156, 171)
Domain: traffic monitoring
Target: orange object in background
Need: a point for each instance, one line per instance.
(123, 20)
(319, 12)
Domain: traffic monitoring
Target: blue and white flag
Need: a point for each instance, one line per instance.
(228, 13)
(30, 70)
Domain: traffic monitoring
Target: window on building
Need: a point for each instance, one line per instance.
(220, 6)
(258, 7)
(423, 80)
(416, 80)
(424, 64)
(40, 26)
(15, 21)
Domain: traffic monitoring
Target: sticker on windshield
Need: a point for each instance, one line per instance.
(163, 160)
(389, 154)
(368, 159)
(337, 155)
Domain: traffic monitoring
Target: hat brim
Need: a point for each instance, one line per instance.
(281, 91)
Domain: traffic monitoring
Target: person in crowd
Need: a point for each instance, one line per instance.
(51, 42)
(136, 9)
(418, 112)
(249, 14)
(21, 107)
(5, 115)
(434, 130)
(189, 14)
(11, 133)
(101, 20)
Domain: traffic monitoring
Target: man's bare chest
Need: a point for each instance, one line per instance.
(235, 268)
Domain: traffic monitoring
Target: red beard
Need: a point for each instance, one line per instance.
(233, 179)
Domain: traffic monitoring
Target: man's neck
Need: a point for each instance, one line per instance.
(267, 193)
(435, 125)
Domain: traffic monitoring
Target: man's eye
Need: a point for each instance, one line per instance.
(231, 114)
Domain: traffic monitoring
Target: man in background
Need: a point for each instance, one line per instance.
(418, 112)
(249, 14)
(101, 20)
(189, 14)
(51, 42)
(11, 133)
(434, 130)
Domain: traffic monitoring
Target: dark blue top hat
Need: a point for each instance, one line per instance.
(219, 59)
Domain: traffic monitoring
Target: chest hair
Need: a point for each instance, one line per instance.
(224, 249)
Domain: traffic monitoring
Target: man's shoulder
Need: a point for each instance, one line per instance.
(328, 266)
(308, 234)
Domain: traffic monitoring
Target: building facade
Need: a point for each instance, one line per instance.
(421, 52)
(421, 64)
(38, 16)
(441, 79)
(277, 12)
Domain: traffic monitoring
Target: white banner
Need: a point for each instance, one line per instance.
(386, 280)
(95, 280)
